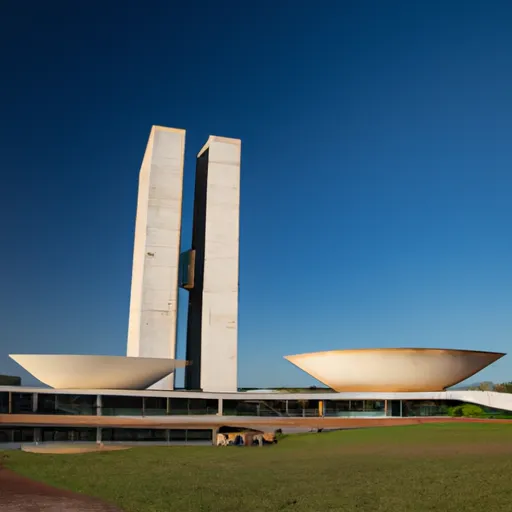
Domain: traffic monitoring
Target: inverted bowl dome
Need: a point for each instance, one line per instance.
(96, 372)
(393, 369)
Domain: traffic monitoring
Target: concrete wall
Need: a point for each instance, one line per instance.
(154, 292)
(212, 335)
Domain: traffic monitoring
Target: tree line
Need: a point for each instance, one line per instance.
(504, 387)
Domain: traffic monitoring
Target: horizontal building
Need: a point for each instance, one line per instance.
(44, 415)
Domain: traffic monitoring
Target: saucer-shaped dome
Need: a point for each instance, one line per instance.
(393, 369)
(96, 372)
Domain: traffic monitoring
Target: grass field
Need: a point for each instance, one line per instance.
(397, 469)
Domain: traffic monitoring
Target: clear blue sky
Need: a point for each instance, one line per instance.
(376, 172)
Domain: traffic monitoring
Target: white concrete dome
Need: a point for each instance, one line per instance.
(96, 372)
(393, 369)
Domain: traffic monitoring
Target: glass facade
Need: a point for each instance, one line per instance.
(92, 435)
(16, 435)
(196, 406)
(22, 403)
(155, 406)
(68, 434)
(296, 408)
(138, 406)
(4, 403)
(355, 408)
(121, 405)
(155, 435)
(66, 404)
(426, 407)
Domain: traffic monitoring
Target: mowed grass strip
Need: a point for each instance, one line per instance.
(414, 469)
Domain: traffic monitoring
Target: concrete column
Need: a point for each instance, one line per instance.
(154, 292)
(99, 406)
(99, 433)
(35, 401)
(220, 411)
(212, 333)
(9, 410)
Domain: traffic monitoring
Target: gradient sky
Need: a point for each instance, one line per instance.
(376, 198)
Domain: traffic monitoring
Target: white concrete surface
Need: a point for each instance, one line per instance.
(219, 337)
(96, 372)
(154, 292)
(393, 369)
(212, 336)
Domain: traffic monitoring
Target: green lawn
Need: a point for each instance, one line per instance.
(464, 467)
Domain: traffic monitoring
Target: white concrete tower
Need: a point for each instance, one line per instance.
(212, 326)
(154, 292)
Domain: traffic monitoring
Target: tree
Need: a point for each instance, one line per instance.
(505, 387)
(466, 411)
(483, 386)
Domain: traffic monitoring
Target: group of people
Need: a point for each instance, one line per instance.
(239, 439)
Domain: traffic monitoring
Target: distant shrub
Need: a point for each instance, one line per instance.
(466, 411)
(472, 411)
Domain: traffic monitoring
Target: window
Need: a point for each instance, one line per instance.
(4, 403)
(16, 435)
(22, 403)
(66, 404)
(68, 434)
(155, 406)
(121, 405)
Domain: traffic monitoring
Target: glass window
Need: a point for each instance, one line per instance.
(303, 408)
(16, 435)
(178, 406)
(177, 435)
(199, 435)
(4, 403)
(354, 408)
(424, 408)
(22, 403)
(155, 406)
(241, 408)
(66, 404)
(203, 406)
(134, 435)
(121, 405)
(68, 434)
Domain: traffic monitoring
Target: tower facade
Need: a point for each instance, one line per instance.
(154, 288)
(210, 269)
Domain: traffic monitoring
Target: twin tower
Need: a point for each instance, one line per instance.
(209, 270)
